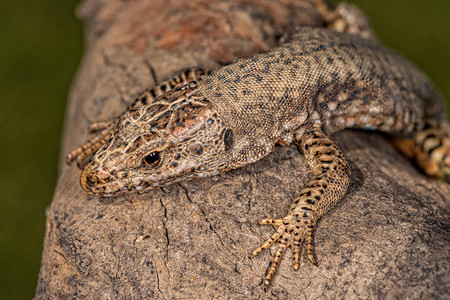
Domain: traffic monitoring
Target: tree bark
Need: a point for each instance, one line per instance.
(388, 238)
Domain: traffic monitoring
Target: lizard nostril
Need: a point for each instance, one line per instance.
(91, 180)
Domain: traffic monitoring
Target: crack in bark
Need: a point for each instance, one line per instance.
(186, 192)
(157, 279)
(65, 258)
(166, 232)
(151, 70)
(113, 279)
(250, 196)
(129, 75)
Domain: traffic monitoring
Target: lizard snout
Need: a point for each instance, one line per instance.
(92, 181)
(88, 179)
(104, 184)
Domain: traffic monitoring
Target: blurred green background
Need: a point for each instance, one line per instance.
(41, 47)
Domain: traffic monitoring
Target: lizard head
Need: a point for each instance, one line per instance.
(176, 138)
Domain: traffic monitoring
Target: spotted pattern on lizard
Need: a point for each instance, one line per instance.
(105, 129)
(319, 82)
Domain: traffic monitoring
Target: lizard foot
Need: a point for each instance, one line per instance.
(292, 230)
(90, 147)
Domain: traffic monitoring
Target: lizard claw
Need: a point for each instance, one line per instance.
(291, 231)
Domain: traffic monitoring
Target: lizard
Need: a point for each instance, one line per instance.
(318, 82)
(344, 18)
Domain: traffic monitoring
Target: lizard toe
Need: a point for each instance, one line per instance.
(292, 232)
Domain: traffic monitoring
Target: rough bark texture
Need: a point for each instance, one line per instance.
(388, 238)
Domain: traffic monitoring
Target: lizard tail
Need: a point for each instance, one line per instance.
(430, 148)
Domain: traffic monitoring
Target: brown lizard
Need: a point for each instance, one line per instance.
(319, 82)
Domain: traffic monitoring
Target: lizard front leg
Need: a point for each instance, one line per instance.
(330, 183)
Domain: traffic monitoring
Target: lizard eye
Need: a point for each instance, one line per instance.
(153, 159)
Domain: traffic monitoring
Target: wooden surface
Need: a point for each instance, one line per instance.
(389, 237)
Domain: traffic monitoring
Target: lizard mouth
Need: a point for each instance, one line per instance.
(104, 184)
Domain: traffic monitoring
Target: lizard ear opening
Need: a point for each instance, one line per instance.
(228, 139)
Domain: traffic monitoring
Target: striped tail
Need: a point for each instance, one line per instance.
(430, 148)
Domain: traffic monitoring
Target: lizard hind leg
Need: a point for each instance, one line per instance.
(430, 148)
(328, 186)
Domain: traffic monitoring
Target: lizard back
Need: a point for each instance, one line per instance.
(322, 76)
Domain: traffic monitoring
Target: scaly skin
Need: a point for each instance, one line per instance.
(147, 97)
(330, 182)
(319, 82)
